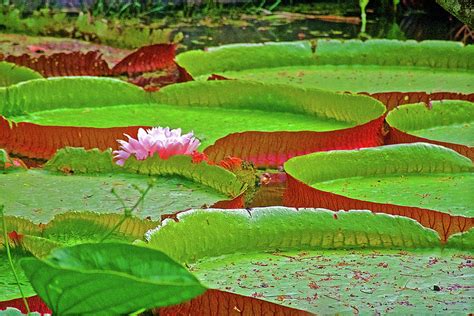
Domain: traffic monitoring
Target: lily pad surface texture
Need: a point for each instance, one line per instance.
(11, 74)
(414, 180)
(373, 66)
(321, 261)
(449, 123)
(78, 180)
(211, 109)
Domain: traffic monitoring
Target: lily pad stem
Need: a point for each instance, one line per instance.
(127, 211)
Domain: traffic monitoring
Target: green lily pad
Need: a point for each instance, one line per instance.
(444, 121)
(238, 106)
(196, 119)
(73, 228)
(51, 194)
(320, 261)
(462, 240)
(291, 109)
(11, 74)
(340, 282)
(76, 92)
(371, 66)
(414, 175)
(364, 78)
(199, 103)
(38, 195)
(237, 57)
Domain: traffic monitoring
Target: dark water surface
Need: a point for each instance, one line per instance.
(415, 26)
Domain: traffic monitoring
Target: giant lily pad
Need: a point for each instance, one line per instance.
(426, 182)
(320, 261)
(11, 74)
(241, 119)
(34, 140)
(447, 123)
(76, 92)
(392, 71)
(299, 120)
(68, 185)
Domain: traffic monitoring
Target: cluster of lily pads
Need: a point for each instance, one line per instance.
(358, 155)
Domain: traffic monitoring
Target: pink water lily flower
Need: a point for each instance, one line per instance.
(163, 141)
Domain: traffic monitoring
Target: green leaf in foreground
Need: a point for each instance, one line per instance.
(64, 230)
(109, 278)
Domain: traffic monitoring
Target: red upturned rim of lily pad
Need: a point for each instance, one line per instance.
(362, 118)
(433, 114)
(212, 302)
(269, 149)
(300, 192)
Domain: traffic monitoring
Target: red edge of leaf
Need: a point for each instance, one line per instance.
(174, 74)
(217, 77)
(298, 194)
(394, 99)
(145, 59)
(35, 303)
(263, 149)
(215, 302)
(212, 302)
(272, 149)
(64, 64)
(395, 136)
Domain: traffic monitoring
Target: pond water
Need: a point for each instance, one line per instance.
(278, 28)
(214, 26)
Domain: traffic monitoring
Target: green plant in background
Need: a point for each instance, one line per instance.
(363, 4)
(462, 9)
(126, 32)
(126, 9)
